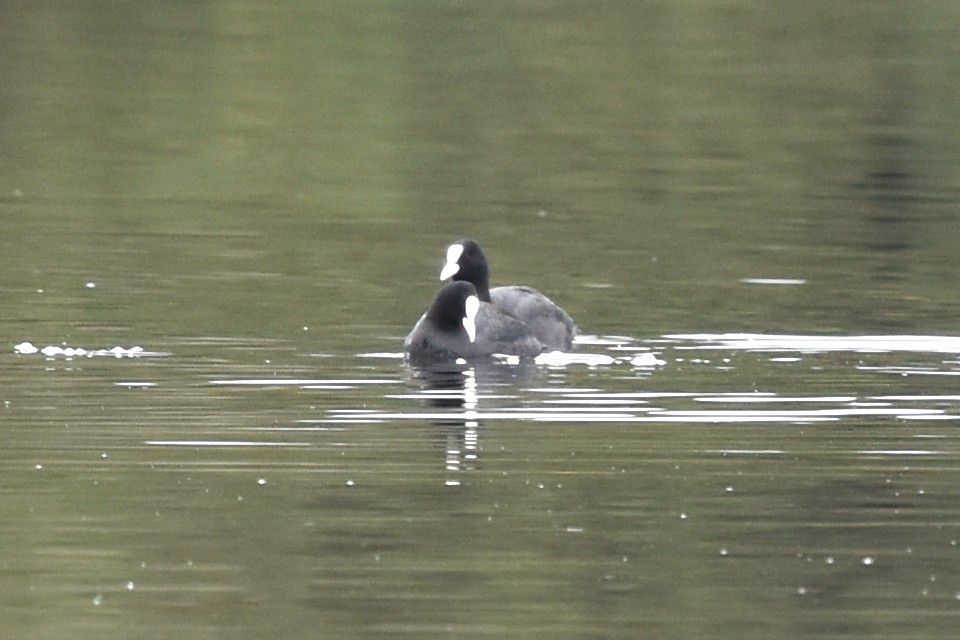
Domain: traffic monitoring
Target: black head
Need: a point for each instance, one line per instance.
(454, 308)
(466, 262)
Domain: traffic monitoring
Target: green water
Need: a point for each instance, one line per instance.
(259, 196)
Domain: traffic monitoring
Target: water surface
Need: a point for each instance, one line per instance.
(220, 222)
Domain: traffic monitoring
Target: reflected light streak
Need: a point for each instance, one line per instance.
(901, 452)
(908, 398)
(757, 398)
(633, 414)
(223, 443)
(281, 382)
(52, 351)
(814, 344)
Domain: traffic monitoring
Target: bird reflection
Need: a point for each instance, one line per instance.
(456, 386)
(453, 387)
(463, 447)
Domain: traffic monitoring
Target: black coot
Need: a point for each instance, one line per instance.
(548, 322)
(451, 329)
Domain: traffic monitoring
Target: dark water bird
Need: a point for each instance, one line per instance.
(449, 330)
(551, 325)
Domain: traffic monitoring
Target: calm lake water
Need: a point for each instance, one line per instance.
(221, 219)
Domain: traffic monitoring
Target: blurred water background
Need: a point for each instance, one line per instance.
(220, 219)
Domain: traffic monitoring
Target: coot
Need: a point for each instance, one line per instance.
(453, 327)
(548, 322)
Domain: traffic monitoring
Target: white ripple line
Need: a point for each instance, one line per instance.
(222, 443)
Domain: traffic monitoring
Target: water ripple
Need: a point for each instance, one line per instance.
(631, 413)
(66, 351)
(817, 344)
